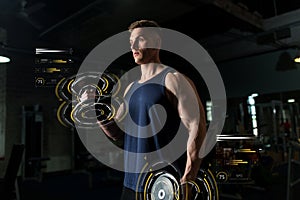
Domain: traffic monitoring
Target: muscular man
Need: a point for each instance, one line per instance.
(158, 84)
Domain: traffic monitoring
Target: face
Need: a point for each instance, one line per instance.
(139, 40)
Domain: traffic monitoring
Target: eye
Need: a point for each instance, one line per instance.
(141, 39)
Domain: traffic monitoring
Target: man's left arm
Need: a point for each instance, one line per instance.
(192, 115)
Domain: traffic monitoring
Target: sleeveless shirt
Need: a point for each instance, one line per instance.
(140, 98)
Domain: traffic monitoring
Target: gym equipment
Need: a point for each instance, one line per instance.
(293, 146)
(63, 114)
(165, 185)
(33, 137)
(87, 113)
(9, 186)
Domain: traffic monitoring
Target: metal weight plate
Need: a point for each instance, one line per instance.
(64, 114)
(88, 115)
(162, 189)
(163, 185)
(205, 185)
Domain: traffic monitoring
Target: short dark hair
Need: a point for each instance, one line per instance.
(142, 23)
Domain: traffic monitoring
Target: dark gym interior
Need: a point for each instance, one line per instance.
(253, 43)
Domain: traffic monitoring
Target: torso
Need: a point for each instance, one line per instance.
(141, 96)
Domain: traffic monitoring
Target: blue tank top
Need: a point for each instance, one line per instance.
(140, 100)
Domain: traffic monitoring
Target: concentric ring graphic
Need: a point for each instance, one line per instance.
(180, 44)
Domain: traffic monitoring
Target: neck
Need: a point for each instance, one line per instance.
(150, 70)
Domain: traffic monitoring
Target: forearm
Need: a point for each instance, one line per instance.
(112, 130)
(192, 167)
(193, 162)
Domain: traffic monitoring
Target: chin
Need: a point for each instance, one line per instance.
(138, 61)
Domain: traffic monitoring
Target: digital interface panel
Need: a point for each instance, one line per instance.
(51, 65)
(235, 158)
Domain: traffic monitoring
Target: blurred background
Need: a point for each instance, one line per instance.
(254, 44)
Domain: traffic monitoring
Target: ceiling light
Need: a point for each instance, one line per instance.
(4, 59)
(297, 56)
(254, 94)
(297, 59)
(291, 100)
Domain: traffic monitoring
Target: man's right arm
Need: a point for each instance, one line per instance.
(111, 128)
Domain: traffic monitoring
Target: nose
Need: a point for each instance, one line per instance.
(134, 45)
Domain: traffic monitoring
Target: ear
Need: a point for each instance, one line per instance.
(158, 42)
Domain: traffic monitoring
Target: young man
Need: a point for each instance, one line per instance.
(158, 84)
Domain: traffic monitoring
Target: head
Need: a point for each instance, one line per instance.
(145, 41)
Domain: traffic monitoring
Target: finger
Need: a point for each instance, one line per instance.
(84, 96)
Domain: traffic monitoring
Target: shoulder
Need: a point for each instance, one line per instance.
(174, 78)
(127, 88)
(178, 82)
(172, 81)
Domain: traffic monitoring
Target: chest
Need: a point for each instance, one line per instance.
(146, 95)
